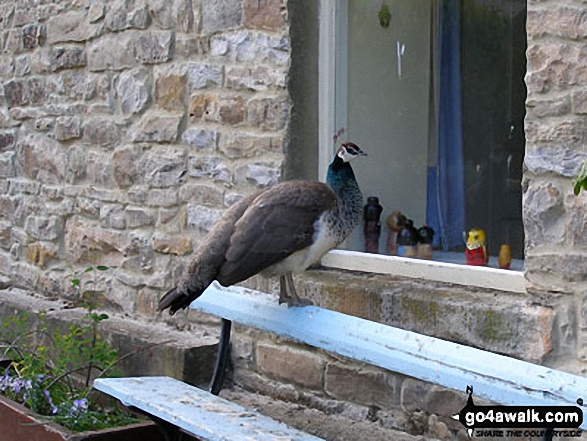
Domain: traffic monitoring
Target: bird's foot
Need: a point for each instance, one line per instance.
(297, 301)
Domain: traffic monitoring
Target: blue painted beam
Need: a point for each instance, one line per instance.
(196, 411)
(495, 377)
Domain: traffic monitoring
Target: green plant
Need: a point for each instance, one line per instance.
(50, 371)
(580, 181)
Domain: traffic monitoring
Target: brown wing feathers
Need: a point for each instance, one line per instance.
(278, 223)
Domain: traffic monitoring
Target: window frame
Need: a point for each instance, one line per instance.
(332, 115)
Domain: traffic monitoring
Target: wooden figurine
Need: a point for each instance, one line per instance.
(407, 240)
(476, 251)
(504, 259)
(425, 239)
(372, 226)
(395, 223)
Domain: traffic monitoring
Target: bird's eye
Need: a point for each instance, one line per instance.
(476, 237)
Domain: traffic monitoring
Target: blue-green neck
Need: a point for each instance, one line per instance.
(340, 173)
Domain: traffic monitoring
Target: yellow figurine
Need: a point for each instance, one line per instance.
(476, 252)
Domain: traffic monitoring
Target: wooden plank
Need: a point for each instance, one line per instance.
(196, 411)
(467, 275)
(495, 377)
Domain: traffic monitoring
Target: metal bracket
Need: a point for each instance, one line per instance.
(222, 358)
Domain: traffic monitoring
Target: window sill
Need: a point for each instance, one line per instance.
(480, 277)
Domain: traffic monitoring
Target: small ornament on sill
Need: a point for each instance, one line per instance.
(384, 16)
(504, 259)
(395, 223)
(476, 251)
(407, 240)
(425, 239)
(372, 226)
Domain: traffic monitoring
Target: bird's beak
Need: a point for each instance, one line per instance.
(362, 153)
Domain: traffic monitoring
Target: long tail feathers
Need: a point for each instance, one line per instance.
(176, 300)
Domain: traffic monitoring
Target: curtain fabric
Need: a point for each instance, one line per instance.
(445, 210)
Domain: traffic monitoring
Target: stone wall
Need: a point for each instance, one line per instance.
(554, 218)
(126, 127)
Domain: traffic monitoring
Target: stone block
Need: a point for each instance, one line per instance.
(162, 197)
(154, 47)
(37, 91)
(202, 218)
(568, 132)
(112, 216)
(72, 26)
(44, 228)
(579, 101)
(172, 14)
(360, 385)
(557, 160)
(203, 105)
(170, 90)
(231, 110)
(178, 246)
(7, 140)
(123, 14)
(139, 217)
(110, 52)
(156, 127)
(201, 140)
(67, 57)
(418, 395)
(41, 253)
(42, 159)
(24, 275)
(84, 242)
(201, 195)
(202, 75)
(134, 91)
(99, 169)
(566, 22)
(101, 131)
(258, 79)
(162, 167)
(270, 15)
(262, 174)
(220, 15)
(124, 165)
(191, 46)
(268, 113)
(16, 93)
(5, 235)
(76, 164)
(292, 365)
(243, 145)
(7, 167)
(68, 127)
(544, 215)
(549, 106)
(22, 65)
(576, 213)
(31, 35)
(211, 167)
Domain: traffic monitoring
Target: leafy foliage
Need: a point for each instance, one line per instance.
(580, 181)
(50, 371)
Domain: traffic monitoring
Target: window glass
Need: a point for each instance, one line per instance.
(437, 99)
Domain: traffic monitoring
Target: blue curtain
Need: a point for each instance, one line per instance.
(445, 210)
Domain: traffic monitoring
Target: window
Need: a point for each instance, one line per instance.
(437, 99)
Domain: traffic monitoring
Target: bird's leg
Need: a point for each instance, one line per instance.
(294, 299)
(284, 296)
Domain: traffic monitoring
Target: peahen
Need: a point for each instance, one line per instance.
(276, 232)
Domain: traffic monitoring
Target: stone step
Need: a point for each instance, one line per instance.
(158, 348)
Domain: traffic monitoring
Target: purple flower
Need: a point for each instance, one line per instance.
(79, 406)
(50, 401)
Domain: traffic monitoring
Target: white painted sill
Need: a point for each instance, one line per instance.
(481, 277)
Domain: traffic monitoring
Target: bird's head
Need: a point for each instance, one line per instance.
(348, 151)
